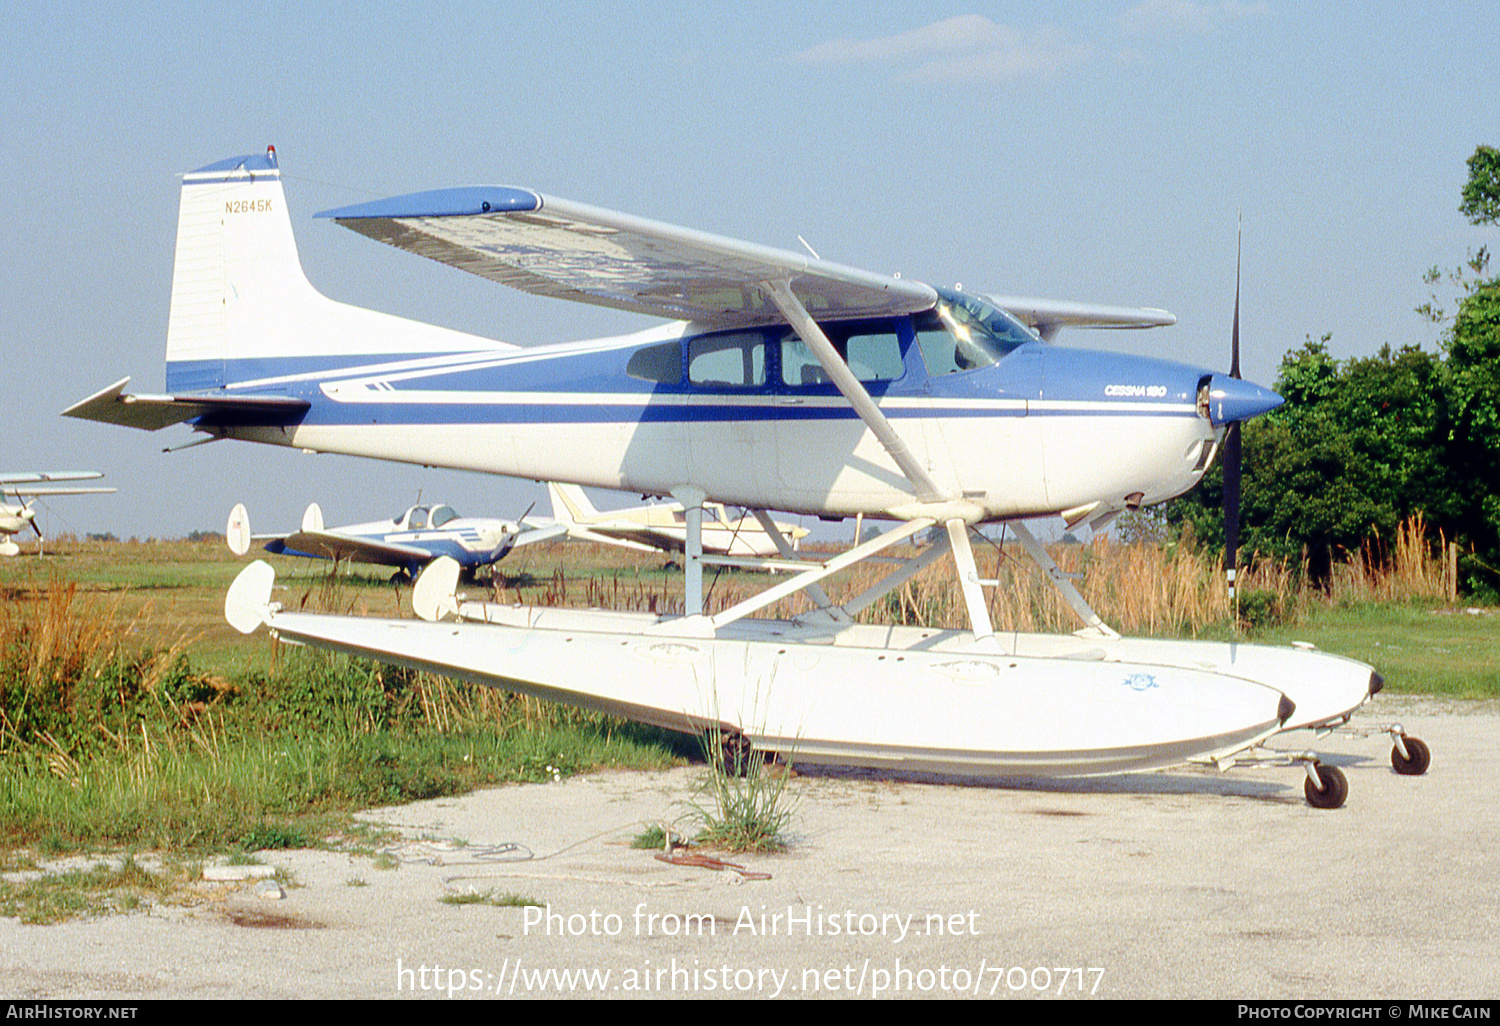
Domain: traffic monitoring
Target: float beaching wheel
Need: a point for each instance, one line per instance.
(734, 754)
(1334, 789)
(1418, 757)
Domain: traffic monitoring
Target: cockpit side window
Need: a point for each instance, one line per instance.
(442, 514)
(416, 520)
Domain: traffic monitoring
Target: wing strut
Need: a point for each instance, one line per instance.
(780, 293)
(814, 591)
(968, 581)
(1060, 581)
(812, 576)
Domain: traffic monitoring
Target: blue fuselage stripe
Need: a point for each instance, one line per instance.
(558, 385)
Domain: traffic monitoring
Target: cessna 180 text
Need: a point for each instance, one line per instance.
(408, 542)
(782, 382)
(33, 485)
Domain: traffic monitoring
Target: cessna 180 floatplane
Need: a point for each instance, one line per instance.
(782, 382)
(407, 542)
(31, 486)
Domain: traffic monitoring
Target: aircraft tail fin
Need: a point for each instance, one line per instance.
(242, 309)
(312, 517)
(570, 505)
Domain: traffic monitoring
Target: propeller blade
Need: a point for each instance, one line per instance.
(1234, 345)
(1232, 443)
(1231, 501)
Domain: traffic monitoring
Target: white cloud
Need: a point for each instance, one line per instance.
(966, 48)
(1186, 17)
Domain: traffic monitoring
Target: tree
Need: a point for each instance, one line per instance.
(1481, 205)
(1481, 200)
(1358, 447)
(1473, 346)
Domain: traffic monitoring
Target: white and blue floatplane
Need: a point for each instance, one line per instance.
(780, 382)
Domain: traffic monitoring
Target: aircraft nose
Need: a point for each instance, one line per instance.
(1233, 399)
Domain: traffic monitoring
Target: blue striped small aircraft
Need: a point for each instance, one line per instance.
(779, 381)
(407, 542)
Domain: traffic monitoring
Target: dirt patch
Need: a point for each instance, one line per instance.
(269, 919)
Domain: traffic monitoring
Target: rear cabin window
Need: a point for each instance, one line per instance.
(660, 363)
(728, 361)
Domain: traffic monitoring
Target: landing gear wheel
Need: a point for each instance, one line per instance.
(1419, 757)
(1334, 791)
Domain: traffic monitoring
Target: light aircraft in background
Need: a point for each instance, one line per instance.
(663, 526)
(781, 382)
(36, 484)
(407, 542)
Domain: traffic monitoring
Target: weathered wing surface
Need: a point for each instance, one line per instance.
(555, 247)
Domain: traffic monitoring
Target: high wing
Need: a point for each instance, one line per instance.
(1046, 316)
(39, 482)
(567, 250)
(35, 476)
(333, 545)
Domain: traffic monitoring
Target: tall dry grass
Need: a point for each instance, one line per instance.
(1400, 570)
(1142, 588)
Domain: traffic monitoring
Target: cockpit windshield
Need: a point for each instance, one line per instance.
(964, 332)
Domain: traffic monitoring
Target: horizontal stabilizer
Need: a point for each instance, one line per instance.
(154, 412)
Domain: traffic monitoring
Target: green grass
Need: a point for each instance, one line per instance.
(279, 792)
(100, 889)
(506, 899)
(1420, 649)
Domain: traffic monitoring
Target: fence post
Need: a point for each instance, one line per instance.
(1450, 571)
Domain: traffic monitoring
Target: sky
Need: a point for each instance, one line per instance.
(1100, 152)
